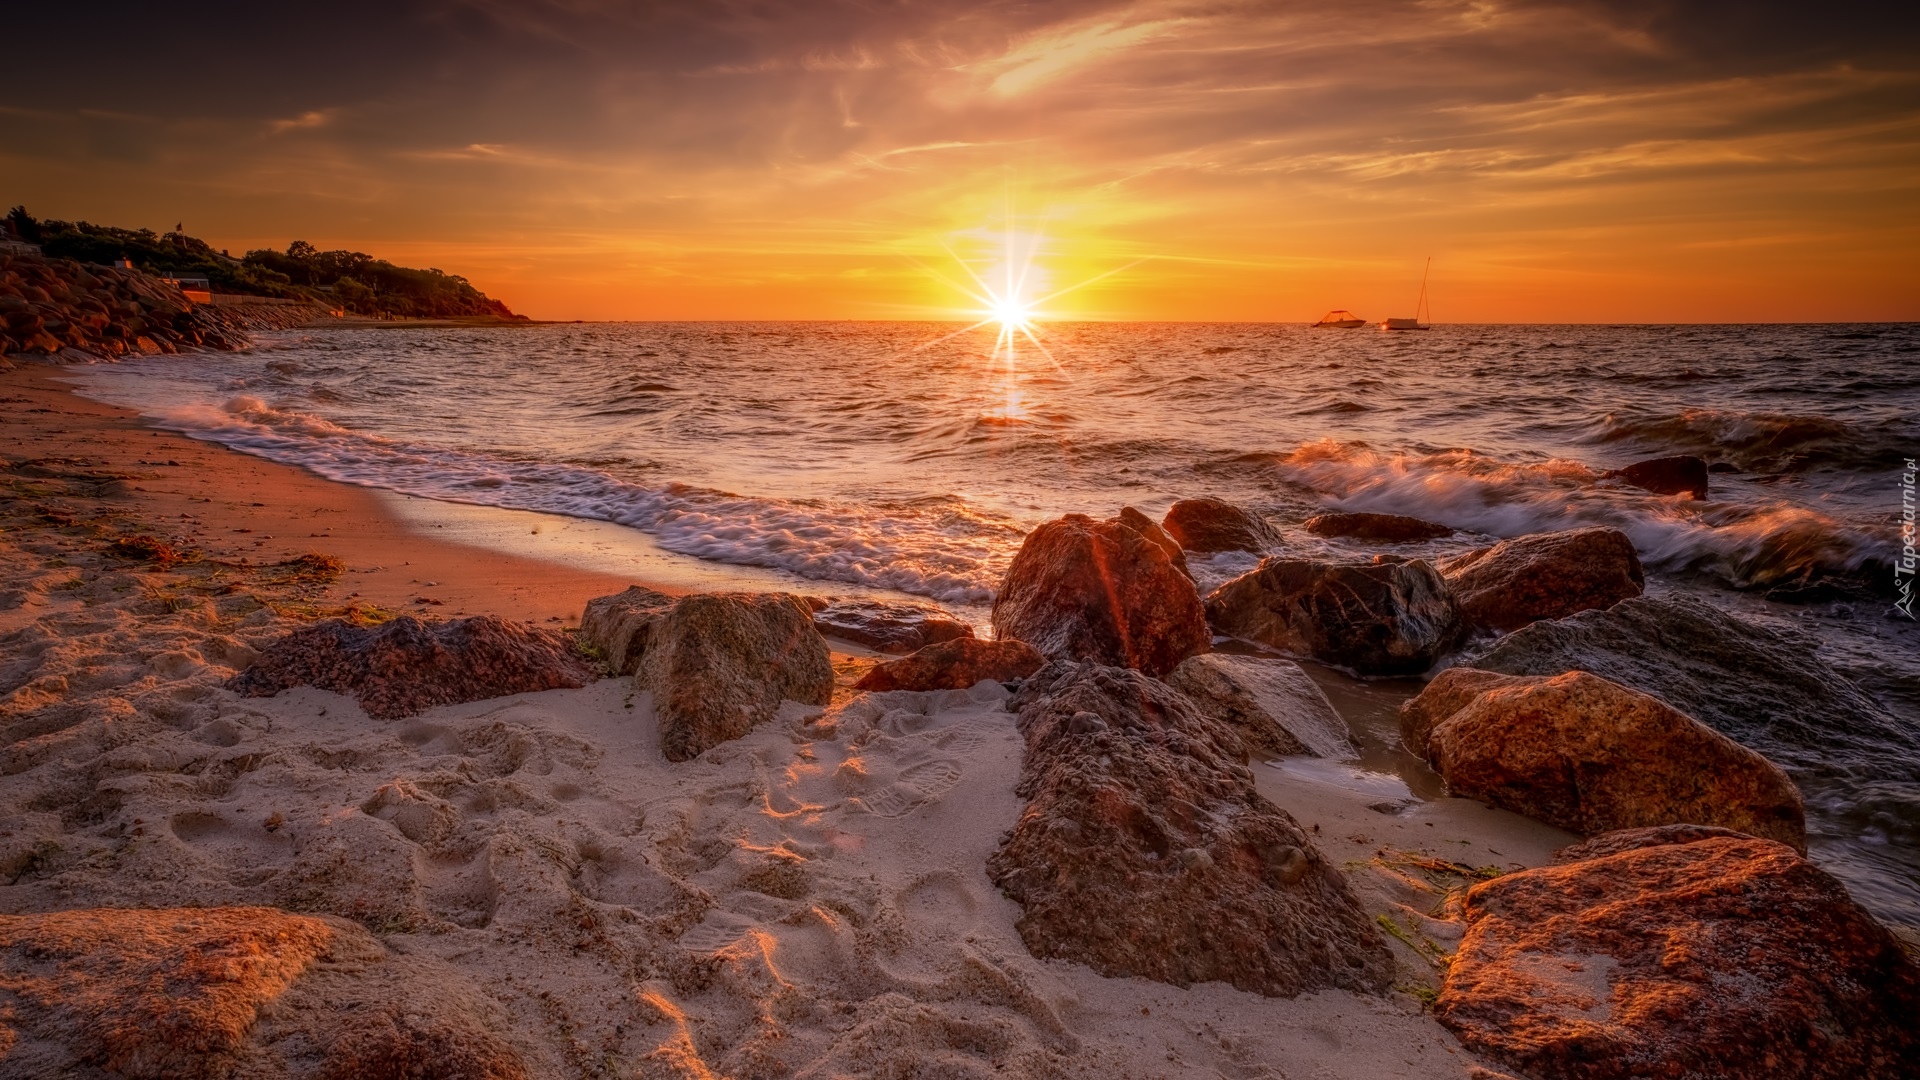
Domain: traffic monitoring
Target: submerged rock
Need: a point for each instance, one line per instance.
(1209, 525)
(208, 992)
(407, 666)
(1273, 704)
(1381, 618)
(1388, 528)
(1592, 756)
(1145, 850)
(889, 626)
(1104, 591)
(1682, 475)
(1721, 956)
(1768, 691)
(1544, 576)
(720, 664)
(954, 665)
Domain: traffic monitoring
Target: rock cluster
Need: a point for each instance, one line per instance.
(1145, 850)
(1666, 952)
(211, 992)
(47, 305)
(407, 666)
(718, 664)
(954, 665)
(1592, 756)
(1209, 525)
(1388, 617)
(1103, 591)
(889, 626)
(1544, 576)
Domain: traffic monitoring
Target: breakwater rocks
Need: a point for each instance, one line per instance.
(47, 305)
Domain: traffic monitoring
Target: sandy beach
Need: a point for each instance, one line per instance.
(810, 900)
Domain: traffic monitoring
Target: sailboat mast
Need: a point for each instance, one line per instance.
(1423, 294)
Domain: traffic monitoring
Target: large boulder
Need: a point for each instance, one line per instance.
(1145, 850)
(720, 664)
(1209, 525)
(954, 665)
(1769, 690)
(210, 992)
(407, 666)
(1147, 527)
(1725, 956)
(1544, 576)
(1103, 591)
(619, 626)
(1592, 756)
(1682, 475)
(1388, 617)
(1273, 704)
(1388, 528)
(889, 626)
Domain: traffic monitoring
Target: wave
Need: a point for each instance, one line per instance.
(1764, 442)
(937, 548)
(1749, 545)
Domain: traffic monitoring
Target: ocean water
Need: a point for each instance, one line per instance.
(911, 458)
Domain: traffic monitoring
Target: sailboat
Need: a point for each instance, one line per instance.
(1419, 306)
(1340, 319)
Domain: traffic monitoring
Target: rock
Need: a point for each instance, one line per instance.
(207, 992)
(954, 665)
(1382, 618)
(1208, 525)
(1271, 702)
(889, 626)
(1081, 589)
(1721, 957)
(1145, 850)
(619, 626)
(1592, 756)
(1145, 526)
(1683, 475)
(1388, 528)
(1544, 576)
(1768, 691)
(720, 664)
(1614, 843)
(407, 666)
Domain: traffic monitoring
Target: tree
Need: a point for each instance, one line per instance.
(301, 250)
(23, 224)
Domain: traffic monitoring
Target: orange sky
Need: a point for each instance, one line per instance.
(1572, 161)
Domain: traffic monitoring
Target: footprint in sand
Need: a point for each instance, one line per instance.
(914, 787)
(715, 932)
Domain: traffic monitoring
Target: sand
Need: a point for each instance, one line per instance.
(808, 901)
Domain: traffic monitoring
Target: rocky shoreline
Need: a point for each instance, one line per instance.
(1686, 935)
(51, 305)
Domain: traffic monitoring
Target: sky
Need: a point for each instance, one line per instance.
(1558, 161)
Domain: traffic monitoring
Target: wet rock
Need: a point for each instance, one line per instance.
(1768, 690)
(1147, 527)
(1209, 525)
(1081, 589)
(618, 627)
(1145, 850)
(889, 626)
(1544, 576)
(720, 664)
(210, 992)
(1272, 703)
(954, 665)
(1592, 756)
(1387, 528)
(407, 666)
(1724, 956)
(1683, 475)
(1382, 618)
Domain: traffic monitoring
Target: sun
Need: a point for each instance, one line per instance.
(1010, 312)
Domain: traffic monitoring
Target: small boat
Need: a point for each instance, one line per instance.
(1418, 306)
(1341, 319)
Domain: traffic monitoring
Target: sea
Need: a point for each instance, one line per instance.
(910, 459)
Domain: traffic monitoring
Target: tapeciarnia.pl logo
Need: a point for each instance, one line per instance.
(1903, 569)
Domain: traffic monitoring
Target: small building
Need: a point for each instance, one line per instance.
(123, 263)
